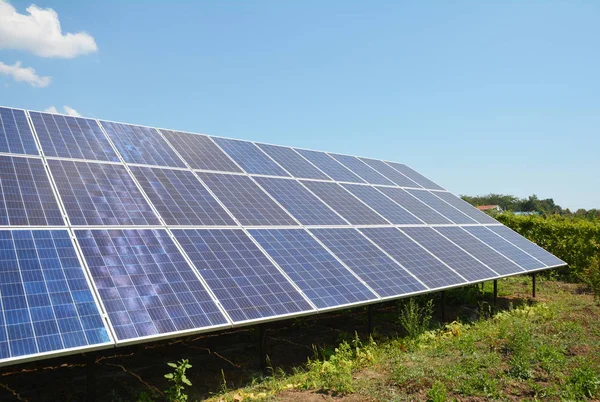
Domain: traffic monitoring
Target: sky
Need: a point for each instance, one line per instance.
(481, 97)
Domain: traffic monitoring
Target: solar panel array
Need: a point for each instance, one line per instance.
(113, 233)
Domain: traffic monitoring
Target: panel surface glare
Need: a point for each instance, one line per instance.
(250, 157)
(100, 194)
(15, 134)
(465, 207)
(47, 304)
(448, 211)
(527, 246)
(26, 196)
(390, 173)
(72, 137)
(383, 205)
(293, 162)
(413, 257)
(322, 278)
(200, 152)
(361, 169)
(180, 198)
(415, 176)
(378, 270)
(145, 283)
(243, 279)
(414, 206)
(330, 166)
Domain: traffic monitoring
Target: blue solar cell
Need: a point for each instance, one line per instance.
(200, 152)
(300, 202)
(415, 176)
(445, 250)
(441, 207)
(246, 200)
(414, 258)
(26, 196)
(246, 283)
(146, 285)
(322, 278)
(15, 134)
(180, 198)
(345, 203)
(527, 246)
(390, 173)
(484, 253)
(100, 194)
(72, 137)
(383, 205)
(361, 169)
(330, 166)
(144, 145)
(291, 161)
(45, 300)
(504, 247)
(250, 157)
(465, 207)
(379, 271)
(414, 206)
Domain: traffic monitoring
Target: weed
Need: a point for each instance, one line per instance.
(415, 317)
(178, 380)
(437, 393)
(584, 382)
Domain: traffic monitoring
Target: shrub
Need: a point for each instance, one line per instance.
(415, 317)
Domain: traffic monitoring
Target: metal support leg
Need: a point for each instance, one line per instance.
(370, 319)
(533, 285)
(262, 347)
(90, 371)
(443, 306)
(495, 292)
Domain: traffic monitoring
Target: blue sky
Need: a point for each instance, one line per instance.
(479, 96)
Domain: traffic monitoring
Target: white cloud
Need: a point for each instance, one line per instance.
(68, 110)
(24, 74)
(39, 32)
(51, 109)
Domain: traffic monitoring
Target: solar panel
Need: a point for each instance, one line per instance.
(15, 134)
(485, 254)
(383, 205)
(448, 211)
(322, 278)
(465, 207)
(330, 166)
(361, 169)
(180, 198)
(46, 302)
(250, 157)
(145, 284)
(463, 263)
(200, 152)
(379, 271)
(504, 247)
(100, 194)
(414, 176)
(245, 200)
(527, 246)
(414, 258)
(300, 202)
(72, 137)
(26, 196)
(414, 206)
(246, 283)
(291, 161)
(344, 203)
(143, 145)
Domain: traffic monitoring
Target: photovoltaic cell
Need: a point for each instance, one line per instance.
(414, 206)
(146, 285)
(414, 176)
(26, 196)
(180, 198)
(250, 157)
(200, 152)
(390, 173)
(344, 203)
(445, 250)
(527, 245)
(383, 205)
(291, 161)
(246, 283)
(322, 278)
(45, 300)
(100, 194)
(15, 134)
(465, 207)
(245, 200)
(504, 247)
(379, 271)
(448, 211)
(330, 166)
(481, 251)
(300, 202)
(361, 169)
(413, 257)
(143, 145)
(72, 137)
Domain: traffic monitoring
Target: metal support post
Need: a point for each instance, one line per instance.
(262, 347)
(495, 292)
(90, 371)
(533, 285)
(370, 319)
(443, 306)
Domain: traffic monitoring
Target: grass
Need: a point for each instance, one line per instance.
(547, 350)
